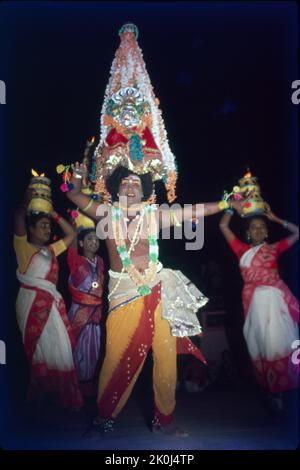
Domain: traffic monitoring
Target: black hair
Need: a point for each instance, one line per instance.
(32, 219)
(81, 236)
(248, 220)
(114, 180)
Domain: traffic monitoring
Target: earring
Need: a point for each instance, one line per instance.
(248, 238)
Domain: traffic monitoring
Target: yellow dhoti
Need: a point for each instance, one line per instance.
(134, 326)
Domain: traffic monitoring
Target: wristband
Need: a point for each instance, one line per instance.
(223, 205)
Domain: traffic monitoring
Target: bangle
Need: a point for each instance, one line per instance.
(223, 205)
(229, 211)
(285, 224)
(77, 175)
(88, 205)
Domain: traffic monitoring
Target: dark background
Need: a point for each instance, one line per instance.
(223, 74)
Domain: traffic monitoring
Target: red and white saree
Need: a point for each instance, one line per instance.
(271, 315)
(46, 332)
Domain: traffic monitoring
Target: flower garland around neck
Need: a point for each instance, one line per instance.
(141, 280)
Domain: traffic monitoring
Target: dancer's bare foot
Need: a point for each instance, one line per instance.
(169, 430)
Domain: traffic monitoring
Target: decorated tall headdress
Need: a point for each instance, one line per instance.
(132, 133)
(41, 194)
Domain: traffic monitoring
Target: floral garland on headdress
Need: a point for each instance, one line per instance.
(144, 141)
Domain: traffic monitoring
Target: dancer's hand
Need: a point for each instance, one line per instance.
(79, 169)
(269, 214)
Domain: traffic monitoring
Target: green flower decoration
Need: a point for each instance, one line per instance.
(152, 240)
(126, 262)
(144, 290)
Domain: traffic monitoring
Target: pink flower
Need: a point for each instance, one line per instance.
(64, 187)
(74, 214)
(237, 197)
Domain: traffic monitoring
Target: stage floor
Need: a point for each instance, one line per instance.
(219, 418)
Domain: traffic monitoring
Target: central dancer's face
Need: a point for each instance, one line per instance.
(131, 190)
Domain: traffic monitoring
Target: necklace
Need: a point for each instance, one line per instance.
(94, 271)
(136, 236)
(129, 219)
(136, 207)
(142, 280)
(91, 261)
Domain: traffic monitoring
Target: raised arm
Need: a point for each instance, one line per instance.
(85, 203)
(68, 230)
(224, 226)
(177, 215)
(20, 214)
(294, 229)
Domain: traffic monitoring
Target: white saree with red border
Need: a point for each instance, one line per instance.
(271, 316)
(46, 332)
